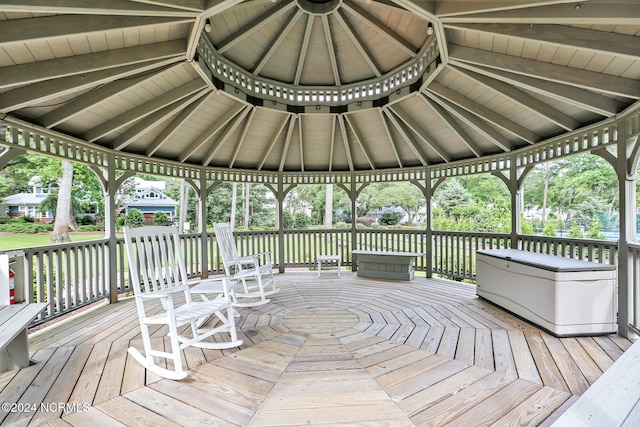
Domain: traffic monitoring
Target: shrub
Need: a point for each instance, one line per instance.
(120, 222)
(375, 225)
(390, 218)
(134, 218)
(366, 221)
(301, 220)
(85, 220)
(160, 218)
(359, 225)
(341, 225)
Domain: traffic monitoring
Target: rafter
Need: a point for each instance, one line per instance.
(143, 110)
(111, 7)
(457, 8)
(332, 50)
(478, 124)
(345, 140)
(56, 68)
(332, 142)
(383, 119)
(359, 139)
(407, 138)
(287, 142)
(243, 134)
(303, 49)
(527, 101)
(168, 133)
(148, 123)
(597, 82)
(273, 140)
(582, 98)
(590, 40)
(224, 137)
(357, 42)
(204, 137)
(254, 25)
(277, 41)
(193, 5)
(300, 142)
(421, 133)
(52, 27)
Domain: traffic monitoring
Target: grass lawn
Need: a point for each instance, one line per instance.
(23, 240)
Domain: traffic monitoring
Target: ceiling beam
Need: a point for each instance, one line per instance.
(277, 41)
(384, 30)
(254, 25)
(413, 145)
(524, 99)
(300, 140)
(149, 122)
(111, 7)
(451, 122)
(424, 136)
(193, 5)
(590, 40)
(224, 137)
(143, 110)
(332, 50)
(38, 93)
(243, 134)
(457, 8)
(273, 141)
(477, 123)
(357, 42)
(333, 141)
(392, 142)
(597, 82)
(581, 98)
(345, 140)
(303, 49)
(359, 139)
(51, 27)
(204, 137)
(584, 13)
(169, 132)
(287, 142)
(73, 65)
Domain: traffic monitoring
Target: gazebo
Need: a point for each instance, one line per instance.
(344, 92)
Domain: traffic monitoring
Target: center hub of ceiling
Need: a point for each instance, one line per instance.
(319, 7)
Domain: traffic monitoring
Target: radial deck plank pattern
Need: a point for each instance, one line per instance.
(326, 351)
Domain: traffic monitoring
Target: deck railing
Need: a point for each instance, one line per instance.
(634, 275)
(73, 275)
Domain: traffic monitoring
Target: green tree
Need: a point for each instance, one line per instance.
(160, 218)
(450, 195)
(134, 218)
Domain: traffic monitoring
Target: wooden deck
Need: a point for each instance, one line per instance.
(327, 350)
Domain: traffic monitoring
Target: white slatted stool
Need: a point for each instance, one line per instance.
(328, 261)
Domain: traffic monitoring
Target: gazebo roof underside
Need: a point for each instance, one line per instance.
(317, 86)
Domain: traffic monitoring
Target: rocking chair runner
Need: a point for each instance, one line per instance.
(256, 278)
(158, 273)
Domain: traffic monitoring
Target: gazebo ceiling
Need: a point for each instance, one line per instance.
(317, 85)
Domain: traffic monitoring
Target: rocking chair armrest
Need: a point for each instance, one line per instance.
(163, 293)
(255, 257)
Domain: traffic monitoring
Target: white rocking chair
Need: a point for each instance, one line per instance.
(256, 278)
(157, 272)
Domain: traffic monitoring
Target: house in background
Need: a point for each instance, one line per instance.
(149, 198)
(27, 204)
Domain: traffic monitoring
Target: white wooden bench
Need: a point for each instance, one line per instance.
(329, 262)
(385, 265)
(14, 342)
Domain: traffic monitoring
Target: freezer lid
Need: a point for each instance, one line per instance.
(544, 261)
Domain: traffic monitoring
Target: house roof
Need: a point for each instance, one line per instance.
(25, 199)
(317, 85)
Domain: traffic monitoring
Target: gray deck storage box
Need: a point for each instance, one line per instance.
(567, 297)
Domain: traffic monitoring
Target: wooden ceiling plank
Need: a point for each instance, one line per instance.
(110, 7)
(454, 126)
(303, 49)
(152, 120)
(273, 141)
(357, 42)
(359, 139)
(243, 134)
(113, 81)
(478, 124)
(143, 110)
(387, 32)
(277, 41)
(575, 96)
(246, 30)
(597, 82)
(332, 50)
(51, 27)
(590, 40)
(192, 5)
(527, 101)
(224, 137)
(287, 142)
(172, 128)
(413, 145)
(345, 141)
(457, 8)
(383, 119)
(73, 65)
(422, 134)
(228, 115)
